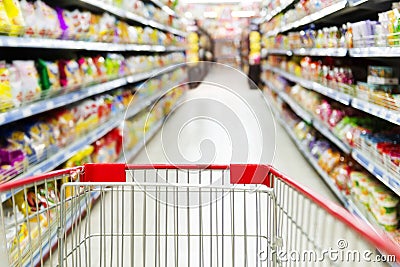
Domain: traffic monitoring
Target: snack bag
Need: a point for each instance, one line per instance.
(29, 14)
(66, 23)
(47, 18)
(20, 140)
(101, 67)
(16, 86)
(29, 78)
(49, 77)
(5, 24)
(6, 95)
(15, 16)
(106, 28)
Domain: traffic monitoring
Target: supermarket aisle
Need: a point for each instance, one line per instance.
(183, 136)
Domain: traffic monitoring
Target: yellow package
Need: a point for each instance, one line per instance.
(6, 99)
(5, 24)
(15, 16)
(123, 32)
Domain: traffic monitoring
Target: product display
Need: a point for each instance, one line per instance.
(24, 83)
(315, 73)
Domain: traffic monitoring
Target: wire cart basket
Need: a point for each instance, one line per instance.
(179, 215)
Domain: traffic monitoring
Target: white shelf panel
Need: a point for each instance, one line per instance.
(307, 117)
(322, 52)
(375, 52)
(379, 111)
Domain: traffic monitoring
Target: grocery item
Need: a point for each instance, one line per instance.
(29, 79)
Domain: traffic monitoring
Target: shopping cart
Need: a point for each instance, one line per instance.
(188, 215)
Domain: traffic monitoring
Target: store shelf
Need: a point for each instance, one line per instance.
(127, 157)
(44, 43)
(375, 52)
(307, 117)
(278, 10)
(376, 110)
(310, 18)
(164, 7)
(379, 111)
(273, 51)
(66, 153)
(324, 90)
(332, 93)
(321, 52)
(333, 138)
(313, 162)
(377, 170)
(347, 202)
(52, 242)
(131, 16)
(63, 100)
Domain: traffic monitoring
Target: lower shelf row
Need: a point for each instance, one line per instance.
(31, 214)
(361, 193)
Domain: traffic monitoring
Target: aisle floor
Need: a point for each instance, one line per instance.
(192, 134)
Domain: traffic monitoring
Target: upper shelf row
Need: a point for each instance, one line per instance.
(337, 12)
(97, 4)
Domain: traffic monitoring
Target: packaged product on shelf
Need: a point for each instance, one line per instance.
(99, 61)
(329, 159)
(29, 79)
(384, 206)
(81, 158)
(29, 15)
(108, 148)
(8, 96)
(87, 70)
(5, 24)
(63, 125)
(47, 20)
(106, 28)
(67, 23)
(15, 17)
(12, 163)
(359, 186)
(341, 175)
(301, 130)
(49, 77)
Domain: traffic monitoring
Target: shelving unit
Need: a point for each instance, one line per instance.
(55, 49)
(63, 100)
(370, 108)
(97, 4)
(333, 16)
(44, 43)
(310, 119)
(166, 8)
(310, 18)
(346, 200)
(64, 154)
